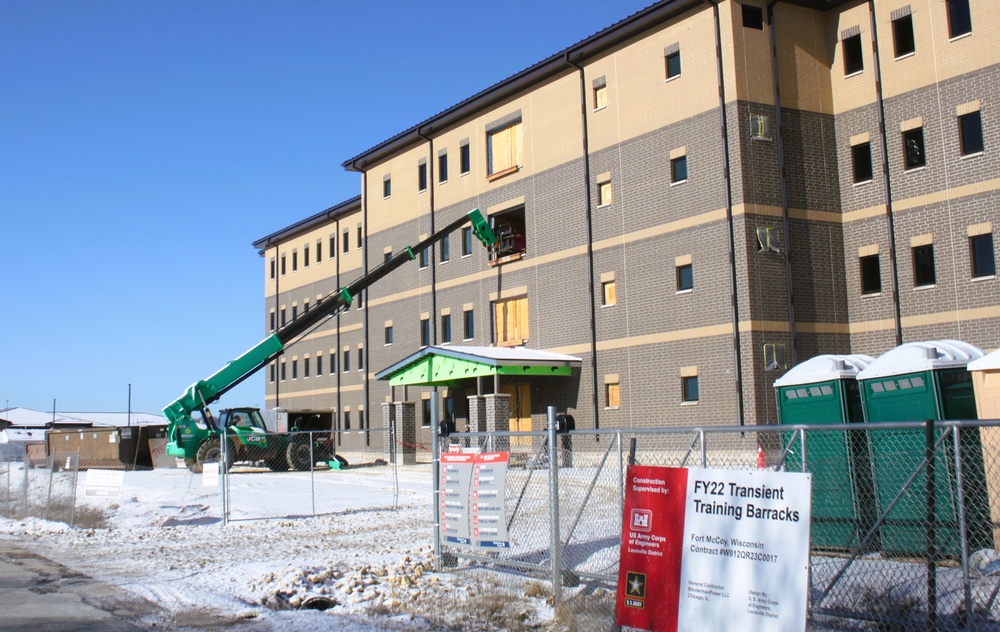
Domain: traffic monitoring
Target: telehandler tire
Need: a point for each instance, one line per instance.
(299, 453)
(211, 452)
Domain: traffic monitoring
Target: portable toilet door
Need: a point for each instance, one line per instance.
(823, 391)
(986, 384)
(917, 381)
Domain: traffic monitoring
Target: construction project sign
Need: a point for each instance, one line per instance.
(472, 499)
(709, 549)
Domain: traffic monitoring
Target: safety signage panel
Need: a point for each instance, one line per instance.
(472, 499)
(104, 483)
(709, 549)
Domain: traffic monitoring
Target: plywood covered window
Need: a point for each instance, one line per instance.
(510, 319)
(504, 148)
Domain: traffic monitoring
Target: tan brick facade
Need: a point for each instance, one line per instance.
(773, 250)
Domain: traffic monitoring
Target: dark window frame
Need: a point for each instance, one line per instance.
(466, 241)
(445, 328)
(468, 324)
(425, 332)
(464, 159)
(386, 188)
(690, 391)
(672, 62)
(445, 248)
(685, 277)
(904, 42)
(854, 57)
(924, 272)
(388, 335)
(914, 149)
(983, 256)
(861, 163)
(870, 271)
(422, 177)
(970, 133)
(442, 168)
(678, 169)
(959, 18)
(753, 17)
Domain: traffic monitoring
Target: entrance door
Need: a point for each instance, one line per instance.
(520, 411)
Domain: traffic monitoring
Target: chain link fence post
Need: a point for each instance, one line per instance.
(555, 544)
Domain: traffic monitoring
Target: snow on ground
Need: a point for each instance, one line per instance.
(372, 567)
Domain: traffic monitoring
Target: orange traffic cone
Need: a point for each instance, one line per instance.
(761, 460)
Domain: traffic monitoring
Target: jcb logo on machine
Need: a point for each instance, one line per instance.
(254, 439)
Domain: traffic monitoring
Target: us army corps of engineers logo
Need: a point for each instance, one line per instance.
(635, 589)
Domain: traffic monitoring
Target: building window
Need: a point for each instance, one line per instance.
(854, 59)
(510, 321)
(346, 241)
(509, 229)
(282, 265)
(333, 246)
(386, 187)
(504, 150)
(319, 251)
(469, 324)
(274, 268)
(871, 275)
(760, 127)
(445, 248)
(319, 365)
(422, 176)
(361, 420)
(361, 358)
(923, 265)
(600, 95)
(295, 312)
(464, 158)
(274, 320)
(970, 129)
(861, 162)
(689, 388)
(295, 260)
(388, 334)
(604, 193)
(333, 361)
(612, 395)
(283, 371)
(347, 420)
(673, 64)
(753, 17)
(774, 357)
(678, 170)
(466, 241)
(284, 319)
(959, 18)
(609, 293)
(361, 237)
(295, 369)
(274, 372)
(425, 412)
(425, 332)
(423, 258)
(685, 278)
(902, 36)
(767, 239)
(913, 148)
(442, 168)
(445, 328)
(305, 368)
(346, 363)
(983, 259)
(305, 256)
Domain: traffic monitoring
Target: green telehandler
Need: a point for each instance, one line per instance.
(199, 441)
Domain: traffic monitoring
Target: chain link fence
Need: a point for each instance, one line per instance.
(904, 531)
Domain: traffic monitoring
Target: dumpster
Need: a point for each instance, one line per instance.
(823, 391)
(102, 447)
(918, 381)
(986, 383)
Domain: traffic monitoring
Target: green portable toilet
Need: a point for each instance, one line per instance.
(986, 382)
(823, 391)
(917, 381)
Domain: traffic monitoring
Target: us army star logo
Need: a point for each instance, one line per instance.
(635, 585)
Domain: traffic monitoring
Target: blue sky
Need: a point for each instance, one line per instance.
(145, 145)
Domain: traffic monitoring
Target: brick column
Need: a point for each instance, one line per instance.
(477, 413)
(498, 418)
(388, 422)
(406, 431)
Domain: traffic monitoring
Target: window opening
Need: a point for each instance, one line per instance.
(902, 36)
(871, 275)
(983, 258)
(923, 265)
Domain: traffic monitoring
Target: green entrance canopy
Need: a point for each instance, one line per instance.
(438, 366)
